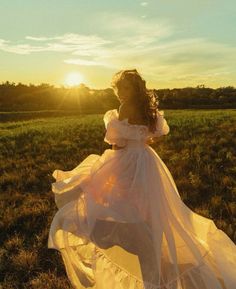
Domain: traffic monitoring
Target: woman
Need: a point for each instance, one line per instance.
(121, 222)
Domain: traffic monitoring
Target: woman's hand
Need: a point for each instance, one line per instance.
(116, 147)
(153, 140)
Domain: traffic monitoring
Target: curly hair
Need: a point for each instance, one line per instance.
(146, 100)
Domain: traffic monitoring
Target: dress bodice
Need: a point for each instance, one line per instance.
(122, 133)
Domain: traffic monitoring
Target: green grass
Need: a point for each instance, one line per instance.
(200, 152)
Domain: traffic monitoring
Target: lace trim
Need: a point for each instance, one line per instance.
(146, 284)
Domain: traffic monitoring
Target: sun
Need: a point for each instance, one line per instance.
(73, 79)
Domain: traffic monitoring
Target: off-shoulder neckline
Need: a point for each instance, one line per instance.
(125, 120)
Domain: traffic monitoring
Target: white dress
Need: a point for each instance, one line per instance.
(121, 223)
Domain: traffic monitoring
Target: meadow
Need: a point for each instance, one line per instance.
(200, 152)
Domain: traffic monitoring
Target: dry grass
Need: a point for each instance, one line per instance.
(201, 146)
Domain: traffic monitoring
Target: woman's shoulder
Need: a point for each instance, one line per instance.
(123, 112)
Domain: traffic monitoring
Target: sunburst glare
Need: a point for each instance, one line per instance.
(73, 79)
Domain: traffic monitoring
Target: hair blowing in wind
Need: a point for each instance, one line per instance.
(144, 99)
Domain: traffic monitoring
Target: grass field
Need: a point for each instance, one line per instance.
(200, 152)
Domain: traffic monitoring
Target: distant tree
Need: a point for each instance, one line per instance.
(84, 99)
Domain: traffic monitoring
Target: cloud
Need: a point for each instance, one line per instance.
(124, 31)
(144, 4)
(6, 45)
(126, 34)
(78, 61)
(127, 26)
(189, 59)
(43, 38)
(74, 43)
(146, 44)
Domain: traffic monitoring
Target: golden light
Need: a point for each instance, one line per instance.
(73, 79)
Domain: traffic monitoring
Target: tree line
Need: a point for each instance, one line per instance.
(22, 97)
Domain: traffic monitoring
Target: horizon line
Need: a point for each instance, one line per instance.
(84, 84)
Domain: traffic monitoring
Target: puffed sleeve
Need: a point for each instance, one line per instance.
(114, 135)
(108, 116)
(113, 129)
(119, 131)
(162, 127)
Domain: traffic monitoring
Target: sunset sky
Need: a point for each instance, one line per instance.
(172, 43)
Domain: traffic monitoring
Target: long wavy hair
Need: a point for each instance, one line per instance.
(146, 100)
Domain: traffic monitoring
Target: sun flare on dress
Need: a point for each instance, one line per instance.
(121, 223)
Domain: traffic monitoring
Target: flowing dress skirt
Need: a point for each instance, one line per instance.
(121, 224)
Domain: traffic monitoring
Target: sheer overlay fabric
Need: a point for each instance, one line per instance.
(121, 223)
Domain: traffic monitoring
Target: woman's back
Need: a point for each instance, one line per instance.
(133, 113)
